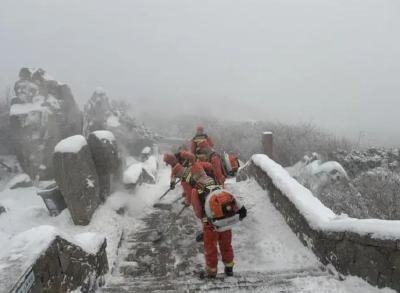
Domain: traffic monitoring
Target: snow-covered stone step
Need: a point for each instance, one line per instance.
(273, 281)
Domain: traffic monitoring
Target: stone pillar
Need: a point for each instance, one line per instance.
(267, 143)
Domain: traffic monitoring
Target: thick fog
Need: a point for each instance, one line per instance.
(335, 63)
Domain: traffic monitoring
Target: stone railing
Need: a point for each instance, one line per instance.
(367, 248)
(62, 267)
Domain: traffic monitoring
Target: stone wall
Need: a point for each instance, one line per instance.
(375, 260)
(64, 267)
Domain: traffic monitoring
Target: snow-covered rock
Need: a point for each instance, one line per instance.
(20, 181)
(103, 114)
(138, 173)
(42, 113)
(48, 252)
(313, 173)
(72, 144)
(104, 149)
(76, 176)
(132, 174)
(106, 157)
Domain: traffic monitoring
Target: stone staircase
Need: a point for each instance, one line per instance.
(172, 264)
(243, 281)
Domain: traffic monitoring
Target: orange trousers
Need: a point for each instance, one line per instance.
(212, 239)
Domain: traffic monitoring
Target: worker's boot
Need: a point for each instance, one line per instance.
(229, 271)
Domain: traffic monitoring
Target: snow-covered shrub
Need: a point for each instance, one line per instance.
(372, 193)
(380, 190)
(358, 161)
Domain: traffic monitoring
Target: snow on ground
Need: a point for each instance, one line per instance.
(263, 242)
(26, 213)
(132, 174)
(20, 178)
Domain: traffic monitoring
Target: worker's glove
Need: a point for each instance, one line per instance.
(172, 186)
(185, 203)
(242, 213)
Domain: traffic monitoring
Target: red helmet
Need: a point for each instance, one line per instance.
(186, 155)
(178, 170)
(170, 159)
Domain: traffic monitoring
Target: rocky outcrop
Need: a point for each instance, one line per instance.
(104, 149)
(141, 172)
(101, 113)
(61, 267)
(42, 113)
(76, 176)
(65, 267)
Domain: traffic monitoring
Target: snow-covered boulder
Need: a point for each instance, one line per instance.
(42, 113)
(138, 173)
(103, 146)
(20, 181)
(57, 261)
(76, 176)
(313, 173)
(104, 149)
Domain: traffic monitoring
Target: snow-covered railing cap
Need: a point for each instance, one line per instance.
(267, 132)
(72, 144)
(316, 213)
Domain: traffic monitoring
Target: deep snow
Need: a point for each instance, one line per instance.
(262, 242)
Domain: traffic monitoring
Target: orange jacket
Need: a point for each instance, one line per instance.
(198, 140)
(187, 156)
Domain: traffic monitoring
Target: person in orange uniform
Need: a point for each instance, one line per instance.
(199, 138)
(178, 171)
(210, 155)
(216, 227)
(181, 164)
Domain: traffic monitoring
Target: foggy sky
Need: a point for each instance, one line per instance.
(335, 63)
